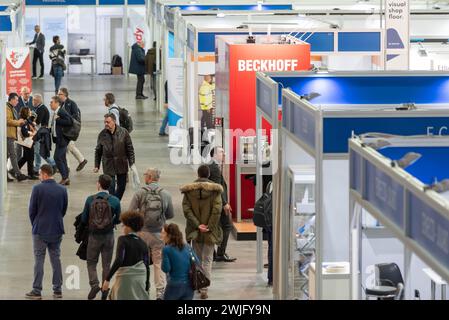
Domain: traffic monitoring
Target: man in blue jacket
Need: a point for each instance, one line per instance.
(100, 241)
(137, 67)
(48, 206)
(60, 119)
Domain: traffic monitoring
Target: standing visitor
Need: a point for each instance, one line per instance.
(207, 101)
(137, 67)
(57, 57)
(28, 130)
(48, 206)
(202, 208)
(38, 52)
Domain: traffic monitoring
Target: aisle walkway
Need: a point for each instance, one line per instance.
(230, 280)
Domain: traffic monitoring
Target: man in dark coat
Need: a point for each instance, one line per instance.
(216, 176)
(137, 67)
(38, 53)
(48, 206)
(150, 65)
(115, 151)
(60, 120)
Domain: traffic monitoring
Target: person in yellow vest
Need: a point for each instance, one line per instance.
(207, 101)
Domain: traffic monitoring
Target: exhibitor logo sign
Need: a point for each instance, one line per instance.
(17, 57)
(397, 26)
(268, 65)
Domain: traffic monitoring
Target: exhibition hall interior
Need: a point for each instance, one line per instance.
(224, 150)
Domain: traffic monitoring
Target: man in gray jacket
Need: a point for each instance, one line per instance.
(38, 54)
(157, 206)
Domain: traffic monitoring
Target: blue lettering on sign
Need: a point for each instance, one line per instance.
(264, 97)
(302, 124)
(337, 131)
(429, 228)
(384, 193)
(356, 174)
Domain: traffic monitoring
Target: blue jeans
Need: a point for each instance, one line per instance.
(61, 161)
(164, 124)
(178, 291)
(58, 73)
(40, 246)
(38, 158)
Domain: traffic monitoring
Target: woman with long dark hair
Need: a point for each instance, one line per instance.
(176, 259)
(57, 57)
(28, 129)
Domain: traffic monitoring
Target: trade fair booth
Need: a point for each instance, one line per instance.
(91, 31)
(399, 215)
(320, 112)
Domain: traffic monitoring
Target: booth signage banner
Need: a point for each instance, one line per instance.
(138, 30)
(429, 228)
(175, 91)
(337, 131)
(397, 24)
(18, 73)
(356, 174)
(264, 97)
(385, 194)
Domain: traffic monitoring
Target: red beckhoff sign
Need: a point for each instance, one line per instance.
(18, 73)
(268, 65)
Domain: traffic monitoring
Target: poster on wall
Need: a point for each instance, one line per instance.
(397, 24)
(175, 91)
(18, 72)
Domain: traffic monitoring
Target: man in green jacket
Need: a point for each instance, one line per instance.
(202, 208)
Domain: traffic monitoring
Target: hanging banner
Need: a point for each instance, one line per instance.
(18, 73)
(175, 90)
(138, 29)
(397, 24)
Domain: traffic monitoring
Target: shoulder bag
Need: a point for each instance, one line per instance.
(198, 278)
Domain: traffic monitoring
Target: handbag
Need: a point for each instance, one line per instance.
(197, 276)
(26, 142)
(72, 133)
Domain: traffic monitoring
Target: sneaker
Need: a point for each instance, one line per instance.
(34, 78)
(57, 295)
(41, 78)
(33, 177)
(81, 165)
(163, 134)
(225, 258)
(93, 293)
(32, 295)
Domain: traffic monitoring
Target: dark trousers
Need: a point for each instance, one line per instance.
(153, 84)
(61, 161)
(207, 119)
(99, 244)
(40, 246)
(37, 55)
(140, 82)
(28, 158)
(118, 190)
(270, 254)
(178, 291)
(226, 226)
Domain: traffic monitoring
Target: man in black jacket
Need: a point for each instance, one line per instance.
(216, 176)
(42, 120)
(116, 153)
(72, 109)
(60, 119)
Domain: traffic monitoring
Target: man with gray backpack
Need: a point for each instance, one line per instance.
(157, 207)
(101, 213)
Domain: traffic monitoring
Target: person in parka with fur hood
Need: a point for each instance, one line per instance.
(202, 208)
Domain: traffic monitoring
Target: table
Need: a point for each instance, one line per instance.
(91, 57)
(242, 169)
(435, 280)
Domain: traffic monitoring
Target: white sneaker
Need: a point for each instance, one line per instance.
(34, 78)
(41, 78)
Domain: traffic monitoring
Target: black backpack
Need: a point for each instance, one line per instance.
(100, 215)
(263, 210)
(125, 119)
(116, 61)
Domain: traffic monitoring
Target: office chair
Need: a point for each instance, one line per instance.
(389, 283)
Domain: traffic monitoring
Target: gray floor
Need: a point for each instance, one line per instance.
(237, 280)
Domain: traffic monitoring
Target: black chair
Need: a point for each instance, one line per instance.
(389, 283)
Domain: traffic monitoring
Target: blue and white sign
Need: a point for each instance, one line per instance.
(429, 228)
(264, 97)
(337, 131)
(385, 194)
(397, 24)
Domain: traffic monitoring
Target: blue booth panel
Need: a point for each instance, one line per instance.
(359, 41)
(5, 24)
